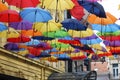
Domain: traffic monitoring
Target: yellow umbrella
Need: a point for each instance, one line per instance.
(81, 34)
(24, 52)
(48, 26)
(11, 33)
(51, 59)
(110, 19)
(58, 4)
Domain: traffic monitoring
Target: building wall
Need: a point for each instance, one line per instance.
(19, 66)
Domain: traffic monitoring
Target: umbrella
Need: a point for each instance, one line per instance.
(81, 34)
(32, 42)
(3, 7)
(62, 56)
(23, 52)
(106, 28)
(42, 38)
(10, 16)
(23, 3)
(73, 24)
(23, 25)
(56, 34)
(77, 11)
(11, 46)
(35, 15)
(21, 39)
(48, 26)
(110, 38)
(30, 33)
(58, 4)
(110, 19)
(94, 57)
(115, 43)
(93, 7)
(60, 45)
(3, 27)
(44, 54)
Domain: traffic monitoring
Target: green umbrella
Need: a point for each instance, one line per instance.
(60, 45)
(56, 34)
(116, 33)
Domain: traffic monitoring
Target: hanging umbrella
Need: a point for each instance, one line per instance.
(35, 15)
(23, 3)
(21, 39)
(44, 54)
(32, 42)
(50, 59)
(110, 38)
(94, 57)
(56, 34)
(23, 25)
(110, 19)
(11, 46)
(42, 38)
(115, 43)
(58, 4)
(3, 27)
(81, 34)
(11, 33)
(106, 28)
(93, 7)
(30, 33)
(3, 7)
(10, 16)
(23, 52)
(77, 11)
(48, 26)
(73, 24)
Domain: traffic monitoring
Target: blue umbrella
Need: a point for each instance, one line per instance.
(106, 28)
(42, 38)
(93, 7)
(44, 54)
(35, 15)
(32, 42)
(62, 56)
(73, 24)
(3, 27)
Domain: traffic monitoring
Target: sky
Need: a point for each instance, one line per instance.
(112, 6)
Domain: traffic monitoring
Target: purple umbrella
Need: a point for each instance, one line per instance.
(23, 25)
(11, 46)
(115, 43)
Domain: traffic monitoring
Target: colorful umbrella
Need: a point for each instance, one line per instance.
(23, 52)
(42, 38)
(50, 59)
(115, 43)
(110, 19)
(93, 7)
(30, 33)
(3, 27)
(110, 38)
(69, 41)
(106, 28)
(48, 26)
(20, 39)
(77, 11)
(44, 54)
(10, 16)
(23, 25)
(73, 24)
(32, 42)
(23, 3)
(81, 34)
(3, 7)
(35, 15)
(56, 34)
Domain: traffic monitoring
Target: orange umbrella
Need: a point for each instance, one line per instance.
(3, 7)
(110, 19)
(31, 33)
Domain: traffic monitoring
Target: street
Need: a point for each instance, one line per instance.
(103, 77)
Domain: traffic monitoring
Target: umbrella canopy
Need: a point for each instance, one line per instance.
(23, 25)
(73, 24)
(44, 54)
(11, 46)
(3, 7)
(35, 15)
(62, 56)
(48, 26)
(110, 19)
(32, 42)
(50, 59)
(3, 27)
(23, 3)
(115, 43)
(93, 7)
(81, 34)
(56, 34)
(23, 52)
(111, 38)
(20, 39)
(42, 38)
(77, 11)
(34, 51)
(106, 28)
(58, 4)
(10, 16)
(30, 33)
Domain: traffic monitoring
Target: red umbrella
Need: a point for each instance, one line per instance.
(77, 11)
(10, 16)
(20, 39)
(110, 38)
(23, 3)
